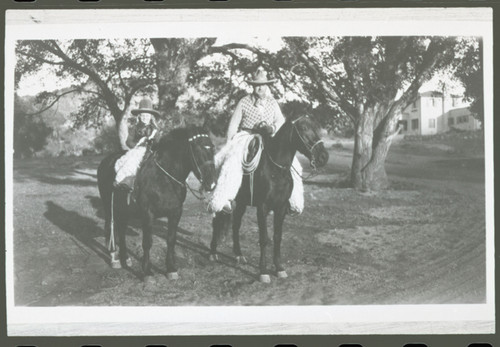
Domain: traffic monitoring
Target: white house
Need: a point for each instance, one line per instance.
(432, 113)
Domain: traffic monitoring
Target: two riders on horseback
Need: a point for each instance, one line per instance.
(257, 110)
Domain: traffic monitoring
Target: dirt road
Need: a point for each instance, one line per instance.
(423, 241)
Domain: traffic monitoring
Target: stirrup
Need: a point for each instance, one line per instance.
(292, 212)
(228, 209)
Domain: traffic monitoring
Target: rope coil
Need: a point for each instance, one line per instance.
(249, 166)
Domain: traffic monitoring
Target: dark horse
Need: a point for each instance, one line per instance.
(272, 188)
(160, 189)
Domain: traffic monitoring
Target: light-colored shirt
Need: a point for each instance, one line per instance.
(252, 111)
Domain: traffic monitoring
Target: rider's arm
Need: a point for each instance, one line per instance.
(235, 121)
(153, 134)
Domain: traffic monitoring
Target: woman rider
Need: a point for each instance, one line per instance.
(254, 110)
(136, 143)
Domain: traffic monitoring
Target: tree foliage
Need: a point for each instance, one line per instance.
(367, 80)
(30, 132)
(109, 72)
(358, 83)
(469, 69)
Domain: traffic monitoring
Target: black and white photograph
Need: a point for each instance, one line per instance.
(200, 172)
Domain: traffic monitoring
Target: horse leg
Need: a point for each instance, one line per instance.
(237, 217)
(263, 240)
(279, 217)
(147, 242)
(219, 225)
(107, 225)
(120, 223)
(173, 221)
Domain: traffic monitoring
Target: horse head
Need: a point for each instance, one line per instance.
(305, 134)
(201, 152)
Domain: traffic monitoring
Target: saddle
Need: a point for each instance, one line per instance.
(255, 146)
(129, 182)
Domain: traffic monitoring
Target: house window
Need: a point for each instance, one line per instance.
(451, 121)
(463, 119)
(433, 102)
(404, 125)
(432, 123)
(414, 105)
(414, 124)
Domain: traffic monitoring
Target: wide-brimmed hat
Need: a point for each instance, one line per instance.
(145, 106)
(260, 77)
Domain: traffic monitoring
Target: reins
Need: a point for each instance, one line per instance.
(309, 148)
(185, 184)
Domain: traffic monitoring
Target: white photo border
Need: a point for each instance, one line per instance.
(387, 319)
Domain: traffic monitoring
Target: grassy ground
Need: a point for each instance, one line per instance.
(422, 241)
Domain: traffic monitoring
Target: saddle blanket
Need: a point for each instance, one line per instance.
(228, 161)
(128, 164)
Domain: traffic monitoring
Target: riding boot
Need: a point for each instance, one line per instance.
(229, 207)
(126, 184)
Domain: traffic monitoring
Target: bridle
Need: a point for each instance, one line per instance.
(191, 140)
(208, 162)
(309, 148)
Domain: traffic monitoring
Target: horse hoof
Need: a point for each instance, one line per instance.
(115, 264)
(173, 276)
(128, 262)
(241, 260)
(282, 274)
(265, 279)
(115, 261)
(213, 257)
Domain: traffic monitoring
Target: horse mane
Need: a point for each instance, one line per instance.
(176, 136)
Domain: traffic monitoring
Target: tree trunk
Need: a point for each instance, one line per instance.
(371, 147)
(175, 60)
(170, 85)
(363, 136)
(121, 123)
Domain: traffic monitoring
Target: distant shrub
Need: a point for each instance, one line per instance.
(30, 131)
(107, 140)
(70, 142)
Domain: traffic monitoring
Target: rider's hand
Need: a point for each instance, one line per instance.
(266, 127)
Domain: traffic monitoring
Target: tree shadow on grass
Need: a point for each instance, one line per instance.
(57, 171)
(83, 229)
(160, 230)
(65, 181)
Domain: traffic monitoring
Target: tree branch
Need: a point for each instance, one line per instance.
(226, 48)
(313, 67)
(52, 103)
(41, 59)
(108, 95)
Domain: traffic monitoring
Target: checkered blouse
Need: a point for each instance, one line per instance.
(266, 110)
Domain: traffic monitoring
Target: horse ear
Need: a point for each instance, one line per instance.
(205, 128)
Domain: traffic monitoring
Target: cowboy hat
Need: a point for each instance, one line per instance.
(260, 77)
(145, 106)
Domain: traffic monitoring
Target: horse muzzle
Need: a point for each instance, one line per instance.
(320, 157)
